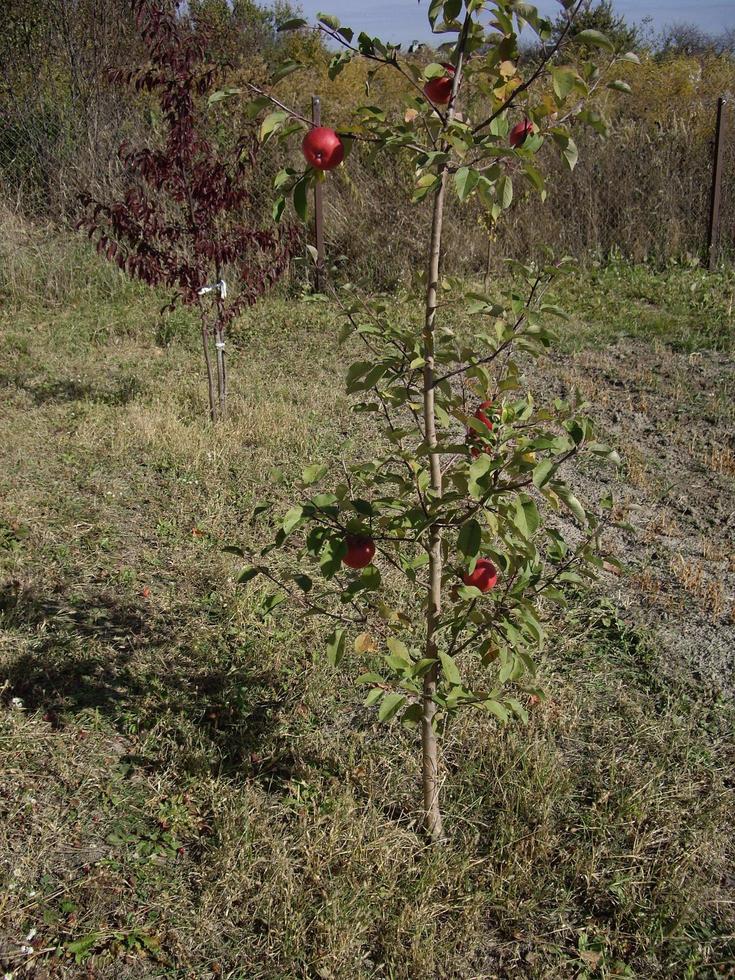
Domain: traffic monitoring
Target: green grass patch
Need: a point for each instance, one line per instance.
(685, 307)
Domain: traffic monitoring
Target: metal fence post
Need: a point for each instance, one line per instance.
(713, 233)
(316, 117)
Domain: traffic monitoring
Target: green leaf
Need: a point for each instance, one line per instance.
(370, 678)
(452, 10)
(356, 371)
(271, 123)
(292, 518)
(338, 62)
(324, 500)
(543, 473)
(390, 705)
(255, 106)
(300, 201)
(435, 9)
(370, 578)
(330, 559)
(412, 715)
(535, 177)
(620, 86)
(480, 467)
(336, 647)
(470, 538)
(424, 184)
(554, 310)
(278, 205)
(285, 69)
(496, 708)
(563, 80)
(222, 94)
(465, 181)
(310, 474)
(570, 153)
(451, 671)
(249, 572)
(83, 945)
(504, 191)
(399, 650)
(270, 603)
(233, 549)
(596, 38)
(518, 709)
(567, 497)
(329, 20)
(527, 516)
(294, 24)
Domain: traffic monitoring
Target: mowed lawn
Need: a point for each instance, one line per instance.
(187, 791)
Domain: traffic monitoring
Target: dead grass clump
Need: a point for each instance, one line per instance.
(693, 577)
(722, 460)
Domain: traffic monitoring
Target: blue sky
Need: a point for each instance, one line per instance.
(405, 20)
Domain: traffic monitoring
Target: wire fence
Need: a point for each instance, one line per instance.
(644, 193)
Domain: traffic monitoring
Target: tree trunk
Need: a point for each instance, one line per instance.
(430, 752)
(429, 746)
(208, 362)
(221, 371)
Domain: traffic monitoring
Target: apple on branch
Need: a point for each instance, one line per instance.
(439, 90)
(520, 132)
(322, 148)
(472, 436)
(484, 577)
(360, 551)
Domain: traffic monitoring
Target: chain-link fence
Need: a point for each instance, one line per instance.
(51, 151)
(643, 193)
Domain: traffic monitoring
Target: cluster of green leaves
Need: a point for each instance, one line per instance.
(493, 92)
(502, 488)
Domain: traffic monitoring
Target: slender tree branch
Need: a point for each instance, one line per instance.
(391, 63)
(299, 597)
(517, 326)
(536, 74)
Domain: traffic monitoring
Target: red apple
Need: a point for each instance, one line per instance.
(360, 551)
(472, 435)
(480, 414)
(323, 149)
(484, 577)
(519, 133)
(439, 90)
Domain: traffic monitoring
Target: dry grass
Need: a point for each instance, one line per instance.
(721, 459)
(694, 578)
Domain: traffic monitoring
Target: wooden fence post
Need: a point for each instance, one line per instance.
(713, 233)
(316, 117)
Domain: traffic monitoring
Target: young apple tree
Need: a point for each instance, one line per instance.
(185, 220)
(462, 497)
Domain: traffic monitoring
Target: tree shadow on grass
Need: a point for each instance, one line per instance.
(118, 390)
(109, 655)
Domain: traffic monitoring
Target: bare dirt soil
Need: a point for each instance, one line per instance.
(672, 417)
